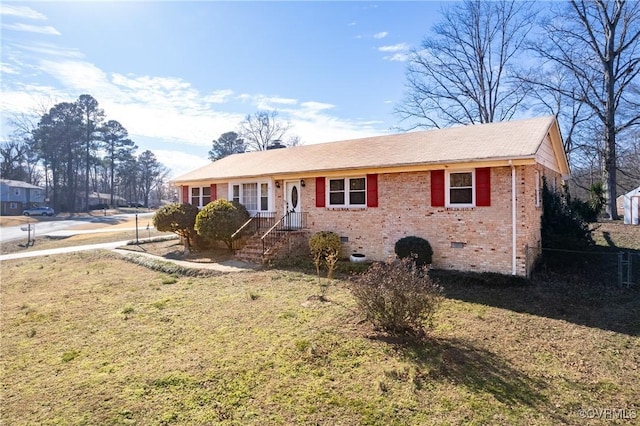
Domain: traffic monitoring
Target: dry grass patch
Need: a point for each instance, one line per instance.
(89, 338)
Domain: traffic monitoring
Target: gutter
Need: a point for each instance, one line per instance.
(513, 220)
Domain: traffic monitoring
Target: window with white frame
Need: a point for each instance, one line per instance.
(264, 197)
(253, 195)
(13, 206)
(200, 196)
(250, 196)
(235, 195)
(347, 192)
(16, 191)
(459, 190)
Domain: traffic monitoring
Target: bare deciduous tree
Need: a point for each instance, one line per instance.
(261, 129)
(463, 72)
(598, 44)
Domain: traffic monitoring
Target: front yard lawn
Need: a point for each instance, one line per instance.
(89, 338)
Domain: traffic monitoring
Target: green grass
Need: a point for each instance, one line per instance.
(89, 338)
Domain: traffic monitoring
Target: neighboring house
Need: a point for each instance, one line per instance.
(100, 200)
(15, 196)
(473, 192)
(631, 202)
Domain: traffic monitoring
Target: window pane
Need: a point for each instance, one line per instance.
(250, 196)
(356, 184)
(457, 180)
(195, 192)
(336, 198)
(356, 197)
(264, 197)
(461, 196)
(336, 185)
(236, 193)
(206, 191)
(206, 200)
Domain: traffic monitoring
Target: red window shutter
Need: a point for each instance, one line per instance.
(214, 192)
(437, 188)
(483, 187)
(185, 194)
(372, 190)
(320, 192)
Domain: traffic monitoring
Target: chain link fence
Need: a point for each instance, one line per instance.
(613, 268)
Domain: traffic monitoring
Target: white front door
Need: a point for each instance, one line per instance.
(293, 203)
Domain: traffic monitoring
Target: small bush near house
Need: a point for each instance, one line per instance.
(325, 246)
(397, 296)
(218, 220)
(179, 219)
(415, 248)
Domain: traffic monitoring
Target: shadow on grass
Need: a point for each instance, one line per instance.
(551, 295)
(458, 362)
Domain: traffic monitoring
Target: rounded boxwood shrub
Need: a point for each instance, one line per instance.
(415, 248)
(179, 219)
(218, 220)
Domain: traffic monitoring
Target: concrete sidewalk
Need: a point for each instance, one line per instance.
(226, 266)
(61, 250)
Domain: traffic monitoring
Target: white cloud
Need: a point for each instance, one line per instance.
(21, 12)
(180, 163)
(39, 29)
(352, 24)
(398, 57)
(316, 106)
(168, 115)
(394, 47)
(8, 69)
(272, 102)
(218, 96)
(48, 49)
(381, 35)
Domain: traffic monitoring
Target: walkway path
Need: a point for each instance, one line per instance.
(226, 266)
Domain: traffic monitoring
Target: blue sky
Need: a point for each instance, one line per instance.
(179, 74)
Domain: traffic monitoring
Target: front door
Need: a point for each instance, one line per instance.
(293, 219)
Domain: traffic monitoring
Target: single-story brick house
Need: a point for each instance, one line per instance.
(472, 191)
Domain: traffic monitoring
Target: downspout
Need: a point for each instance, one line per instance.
(513, 219)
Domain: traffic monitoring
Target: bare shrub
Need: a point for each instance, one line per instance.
(397, 296)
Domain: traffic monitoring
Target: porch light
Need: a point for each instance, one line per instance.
(302, 183)
(277, 184)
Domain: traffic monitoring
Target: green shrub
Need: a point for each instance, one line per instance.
(179, 219)
(325, 246)
(218, 220)
(562, 227)
(397, 296)
(415, 248)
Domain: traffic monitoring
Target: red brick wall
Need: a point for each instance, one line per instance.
(405, 209)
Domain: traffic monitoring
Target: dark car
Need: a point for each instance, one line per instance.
(39, 211)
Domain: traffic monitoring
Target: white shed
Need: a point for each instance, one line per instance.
(632, 207)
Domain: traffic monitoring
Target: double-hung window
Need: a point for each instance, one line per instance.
(460, 189)
(347, 192)
(253, 195)
(200, 196)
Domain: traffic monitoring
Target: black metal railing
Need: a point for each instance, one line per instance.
(291, 221)
(258, 223)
